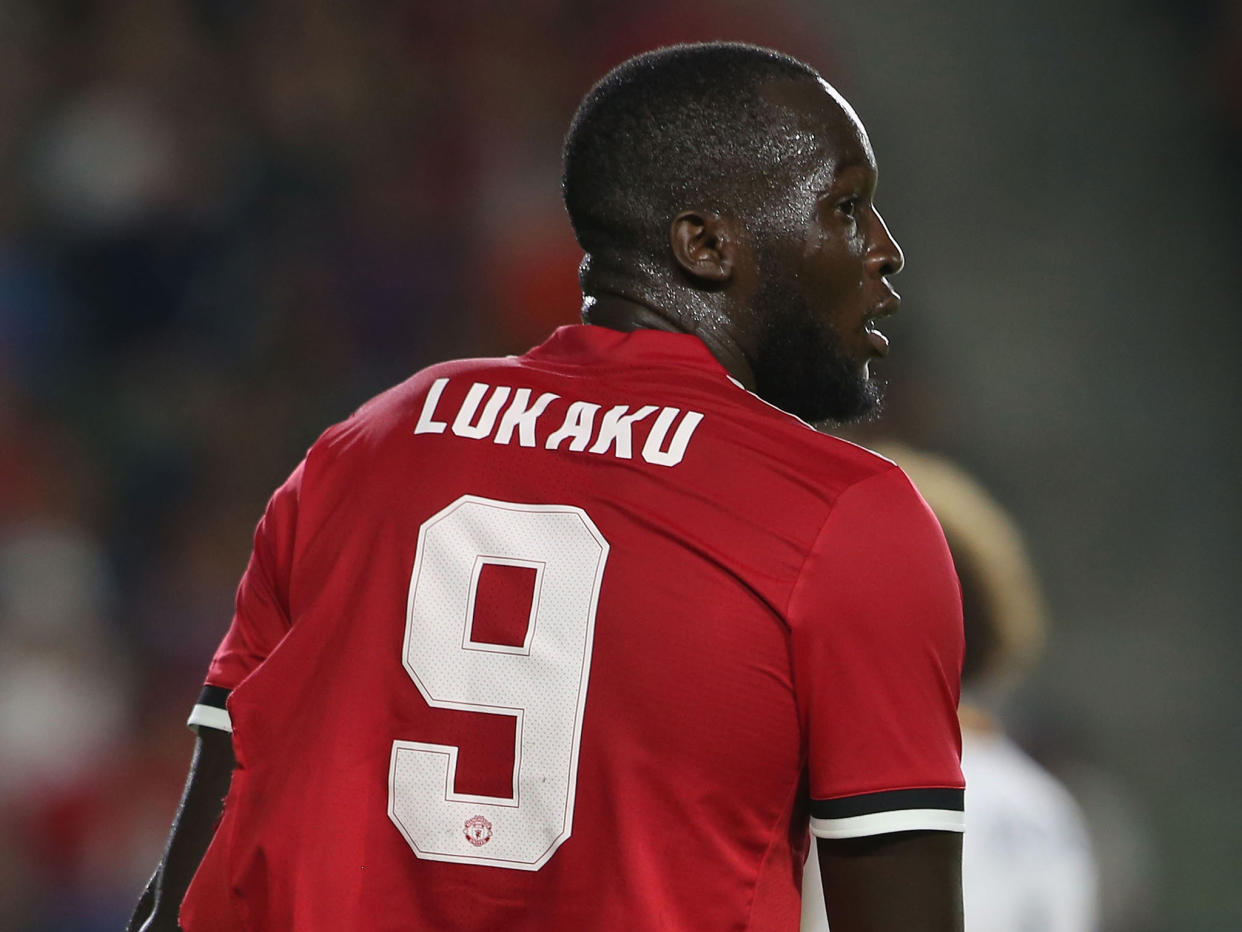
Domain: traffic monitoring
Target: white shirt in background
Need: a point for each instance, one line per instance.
(1026, 860)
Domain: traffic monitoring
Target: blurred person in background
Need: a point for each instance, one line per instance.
(1027, 864)
(724, 197)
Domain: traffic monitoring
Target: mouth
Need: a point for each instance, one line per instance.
(886, 308)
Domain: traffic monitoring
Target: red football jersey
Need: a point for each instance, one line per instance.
(577, 640)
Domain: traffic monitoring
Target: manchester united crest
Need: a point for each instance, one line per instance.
(478, 831)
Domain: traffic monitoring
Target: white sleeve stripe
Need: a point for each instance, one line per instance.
(210, 716)
(881, 823)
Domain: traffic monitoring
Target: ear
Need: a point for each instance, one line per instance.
(704, 244)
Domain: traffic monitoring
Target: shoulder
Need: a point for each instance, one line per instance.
(880, 552)
(832, 464)
(864, 487)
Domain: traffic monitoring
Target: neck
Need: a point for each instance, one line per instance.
(625, 314)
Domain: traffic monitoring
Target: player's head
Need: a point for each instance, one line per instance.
(1002, 606)
(730, 188)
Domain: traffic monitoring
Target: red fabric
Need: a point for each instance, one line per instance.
(502, 604)
(777, 611)
(876, 620)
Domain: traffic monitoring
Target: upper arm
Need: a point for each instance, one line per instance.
(877, 650)
(877, 646)
(261, 615)
(898, 882)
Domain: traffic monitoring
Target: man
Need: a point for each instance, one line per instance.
(578, 639)
(1027, 863)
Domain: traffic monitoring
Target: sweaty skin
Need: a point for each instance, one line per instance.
(786, 298)
(902, 880)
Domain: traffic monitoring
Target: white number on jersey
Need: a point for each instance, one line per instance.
(542, 684)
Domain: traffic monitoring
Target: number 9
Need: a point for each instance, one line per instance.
(542, 685)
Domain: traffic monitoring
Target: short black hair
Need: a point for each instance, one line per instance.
(678, 127)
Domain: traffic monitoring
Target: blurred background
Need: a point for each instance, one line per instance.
(225, 224)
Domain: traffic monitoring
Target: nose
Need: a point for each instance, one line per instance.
(885, 256)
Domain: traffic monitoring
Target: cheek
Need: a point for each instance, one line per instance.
(835, 269)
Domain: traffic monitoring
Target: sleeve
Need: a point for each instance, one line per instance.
(261, 614)
(876, 628)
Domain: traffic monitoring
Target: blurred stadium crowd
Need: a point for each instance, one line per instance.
(223, 225)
